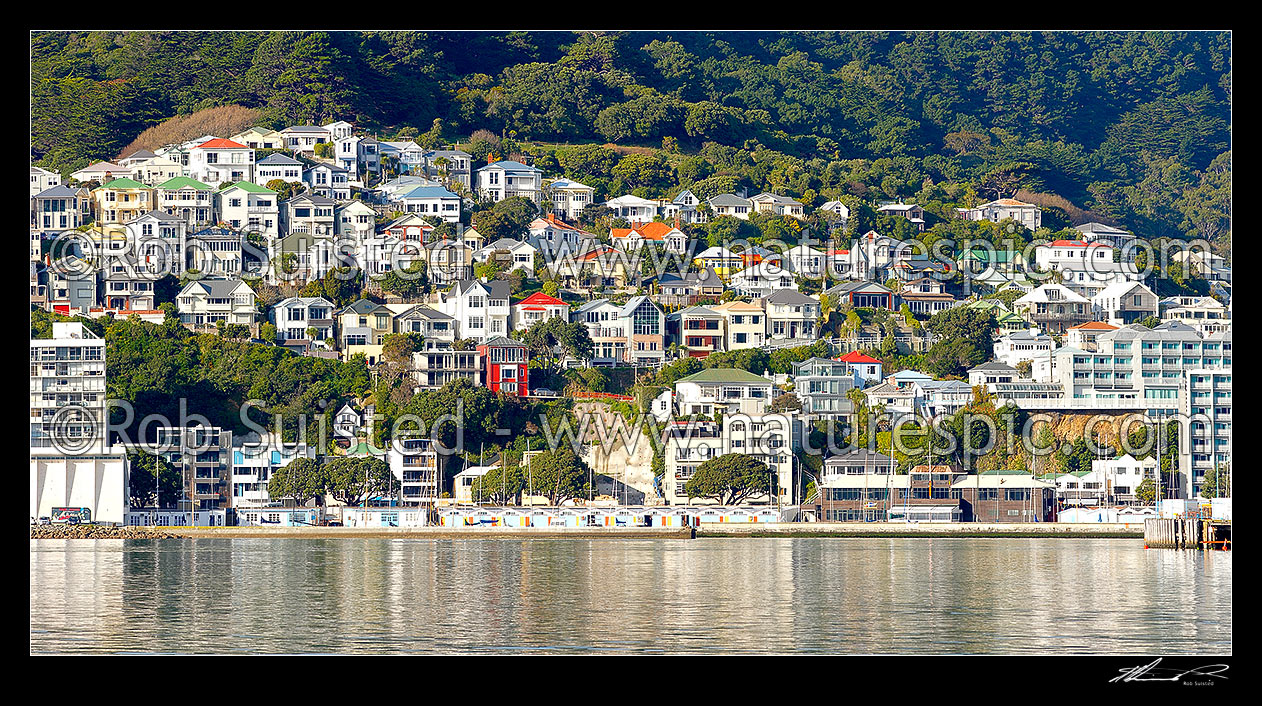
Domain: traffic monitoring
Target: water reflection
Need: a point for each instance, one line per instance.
(836, 595)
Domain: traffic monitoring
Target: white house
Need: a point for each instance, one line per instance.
(726, 390)
(777, 204)
(249, 207)
(538, 307)
(329, 181)
(554, 238)
(506, 179)
(43, 180)
(221, 161)
(730, 205)
(304, 138)
(1124, 303)
(569, 197)
(303, 321)
(481, 309)
(1017, 346)
(790, 314)
(339, 129)
(761, 279)
(205, 302)
(278, 166)
(634, 208)
(190, 200)
(515, 254)
(1027, 214)
(431, 201)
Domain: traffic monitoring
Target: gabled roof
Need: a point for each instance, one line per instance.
(502, 342)
(158, 216)
(510, 166)
(499, 289)
(857, 357)
(57, 192)
(322, 165)
(789, 296)
(727, 200)
(278, 159)
(247, 186)
(123, 183)
(140, 154)
(215, 288)
(183, 182)
(429, 192)
(541, 299)
(993, 365)
(363, 306)
(725, 375)
(633, 303)
(1095, 326)
(220, 143)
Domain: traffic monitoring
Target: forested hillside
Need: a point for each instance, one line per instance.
(1134, 127)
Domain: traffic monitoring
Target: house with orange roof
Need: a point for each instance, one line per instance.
(1027, 214)
(538, 307)
(1084, 335)
(667, 235)
(220, 161)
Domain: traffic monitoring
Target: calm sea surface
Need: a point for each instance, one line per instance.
(835, 595)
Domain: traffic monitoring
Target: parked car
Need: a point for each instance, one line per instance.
(45, 520)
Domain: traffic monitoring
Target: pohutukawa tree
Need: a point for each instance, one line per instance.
(731, 479)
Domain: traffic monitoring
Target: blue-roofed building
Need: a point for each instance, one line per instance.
(505, 179)
(430, 201)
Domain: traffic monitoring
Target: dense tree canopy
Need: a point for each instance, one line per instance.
(1129, 126)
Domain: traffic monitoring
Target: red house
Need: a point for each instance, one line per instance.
(507, 366)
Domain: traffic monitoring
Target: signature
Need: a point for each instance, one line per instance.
(1150, 672)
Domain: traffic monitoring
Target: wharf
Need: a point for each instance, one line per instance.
(901, 529)
(1187, 533)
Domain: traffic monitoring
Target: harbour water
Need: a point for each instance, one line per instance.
(721, 595)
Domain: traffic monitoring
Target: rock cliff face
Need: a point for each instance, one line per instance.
(623, 472)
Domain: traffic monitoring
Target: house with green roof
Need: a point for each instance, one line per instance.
(1006, 320)
(121, 200)
(189, 199)
(246, 206)
(723, 390)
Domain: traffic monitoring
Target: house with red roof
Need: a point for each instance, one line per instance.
(538, 307)
(1071, 254)
(221, 161)
(865, 367)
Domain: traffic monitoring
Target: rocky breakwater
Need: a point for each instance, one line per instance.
(98, 532)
